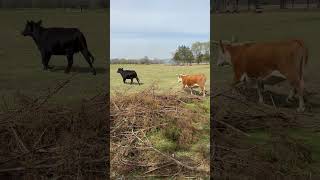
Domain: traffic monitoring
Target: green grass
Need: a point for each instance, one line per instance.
(20, 65)
(164, 76)
(276, 26)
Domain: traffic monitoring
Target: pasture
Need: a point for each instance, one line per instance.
(269, 26)
(20, 65)
(163, 76)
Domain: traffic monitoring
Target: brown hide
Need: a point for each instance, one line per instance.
(260, 59)
(191, 80)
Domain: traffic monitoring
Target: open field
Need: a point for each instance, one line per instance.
(163, 75)
(277, 26)
(20, 65)
(168, 121)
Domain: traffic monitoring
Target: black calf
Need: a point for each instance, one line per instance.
(128, 74)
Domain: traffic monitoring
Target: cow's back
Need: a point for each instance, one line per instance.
(59, 40)
(191, 80)
(260, 59)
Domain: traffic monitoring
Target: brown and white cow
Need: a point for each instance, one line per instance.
(261, 60)
(191, 81)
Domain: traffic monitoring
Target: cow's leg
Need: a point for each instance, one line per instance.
(124, 80)
(203, 91)
(45, 60)
(292, 92)
(87, 56)
(260, 87)
(138, 80)
(131, 80)
(70, 62)
(191, 90)
(300, 93)
(48, 56)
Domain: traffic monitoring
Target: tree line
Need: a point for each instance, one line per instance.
(198, 53)
(54, 4)
(144, 60)
(233, 5)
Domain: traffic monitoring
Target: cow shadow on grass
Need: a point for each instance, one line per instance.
(78, 69)
(134, 83)
(279, 100)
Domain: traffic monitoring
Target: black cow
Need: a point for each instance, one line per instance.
(128, 74)
(58, 41)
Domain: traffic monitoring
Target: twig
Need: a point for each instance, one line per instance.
(24, 148)
(171, 158)
(232, 127)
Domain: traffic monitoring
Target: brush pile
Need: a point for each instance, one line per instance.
(238, 155)
(42, 141)
(135, 116)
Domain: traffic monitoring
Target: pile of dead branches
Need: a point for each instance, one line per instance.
(41, 140)
(134, 116)
(235, 115)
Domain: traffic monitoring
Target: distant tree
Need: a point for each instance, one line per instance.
(196, 49)
(145, 60)
(201, 51)
(183, 55)
(206, 50)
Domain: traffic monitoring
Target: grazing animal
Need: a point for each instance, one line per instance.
(58, 41)
(191, 81)
(128, 74)
(260, 61)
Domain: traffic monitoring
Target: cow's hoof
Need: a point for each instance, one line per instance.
(94, 73)
(67, 72)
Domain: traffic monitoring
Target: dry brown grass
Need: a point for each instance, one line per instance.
(233, 156)
(134, 116)
(42, 141)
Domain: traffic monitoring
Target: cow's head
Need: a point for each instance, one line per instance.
(180, 77)
(224, 57)
(31, 28)
(120, 70)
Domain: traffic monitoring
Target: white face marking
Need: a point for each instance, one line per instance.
(179, 79)
(223, 58)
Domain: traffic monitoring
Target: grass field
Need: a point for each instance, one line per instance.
(277, 26)
(164, 76)
(20, 65)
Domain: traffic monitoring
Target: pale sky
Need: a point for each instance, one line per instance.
(155, 28)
